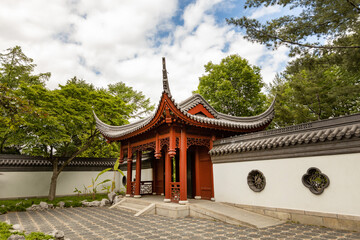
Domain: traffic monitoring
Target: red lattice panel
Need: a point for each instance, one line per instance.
(175, 192)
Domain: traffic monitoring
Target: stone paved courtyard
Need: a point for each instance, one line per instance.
(105, 223)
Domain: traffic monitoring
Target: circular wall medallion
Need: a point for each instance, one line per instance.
(124, 180)
(315, 181)
(256, 180)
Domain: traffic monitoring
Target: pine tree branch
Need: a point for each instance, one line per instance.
(256, 34)
(303, 45)
(354, 5)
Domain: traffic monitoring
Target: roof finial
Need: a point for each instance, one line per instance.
(165, 78)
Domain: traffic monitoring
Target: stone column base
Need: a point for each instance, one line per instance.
(197, 197)
(212, 199)
(127, 195)
(167, 200)
(154, 193)
(137, 196)
(183, 202)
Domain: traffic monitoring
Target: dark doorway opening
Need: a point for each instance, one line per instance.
(190, 165)
(159, 169)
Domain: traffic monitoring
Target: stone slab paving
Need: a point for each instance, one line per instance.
(105, 223)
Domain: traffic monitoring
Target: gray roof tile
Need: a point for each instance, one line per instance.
(8, 160)
(336, 129)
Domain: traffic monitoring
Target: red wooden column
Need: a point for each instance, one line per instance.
(171, 153)
(167, 178)
(129, 171)
(172, 142)
(138, 174)
(157, 147)
(157, 155)
(213, 138)
(121, 159)
(197, 174)
(183, 167)
(153, 166)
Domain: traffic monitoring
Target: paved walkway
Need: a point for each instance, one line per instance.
(105, 223)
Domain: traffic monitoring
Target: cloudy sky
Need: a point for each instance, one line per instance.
(108, 41)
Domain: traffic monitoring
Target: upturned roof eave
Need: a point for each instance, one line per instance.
(222, 121)
(196, 99)
(113, 133)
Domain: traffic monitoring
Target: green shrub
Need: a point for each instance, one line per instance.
(5, 233)
(37, 235)
(18, 205)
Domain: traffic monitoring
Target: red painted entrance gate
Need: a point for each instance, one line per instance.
(158, 176)
(205, 174)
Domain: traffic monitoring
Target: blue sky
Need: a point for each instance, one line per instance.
(108, 41)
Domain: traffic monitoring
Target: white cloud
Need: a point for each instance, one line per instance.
(120, 40)
(265, 11)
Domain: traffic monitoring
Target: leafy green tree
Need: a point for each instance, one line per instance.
(311, 88)
(16, 70)
(68, 130)
(233, 87)
(131, 97)
(337, 22)
(61, 122)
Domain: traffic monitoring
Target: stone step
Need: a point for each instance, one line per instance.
(128, 208)
(138, 201)
(147, 210)
(232, 215)
(133, 205)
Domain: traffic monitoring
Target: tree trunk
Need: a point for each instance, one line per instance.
(2, 144)
(57, 171)
(52, 190)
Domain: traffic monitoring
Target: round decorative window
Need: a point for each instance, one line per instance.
(124, 180)
(315, 181)
(256, 180)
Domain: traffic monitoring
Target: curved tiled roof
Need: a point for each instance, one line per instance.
(9, 160)
(309, 133)
(220, 120)
(196, 99)
(118, 131)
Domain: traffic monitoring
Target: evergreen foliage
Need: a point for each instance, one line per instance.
(324, 35)
(311, 89)
(337, 22)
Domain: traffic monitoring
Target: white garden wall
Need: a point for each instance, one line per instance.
(36, 184)
(284, 188)
(146, 174)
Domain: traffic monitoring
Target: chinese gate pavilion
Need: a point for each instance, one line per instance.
(179, 137)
